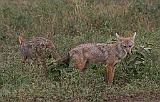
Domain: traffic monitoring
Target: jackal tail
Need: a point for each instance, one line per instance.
(21, 40)
(66, 60)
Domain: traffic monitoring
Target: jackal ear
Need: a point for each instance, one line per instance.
(132, 37)
(21, 40)
(119, 38)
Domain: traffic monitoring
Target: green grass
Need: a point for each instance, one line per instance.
(69, 23)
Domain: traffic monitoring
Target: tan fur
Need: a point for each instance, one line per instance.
(38, 48)
(21, 40)
(109, 54)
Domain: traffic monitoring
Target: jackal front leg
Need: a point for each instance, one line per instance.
(110, 71)
(81, 64)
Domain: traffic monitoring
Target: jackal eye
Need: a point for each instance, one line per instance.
(130, 45)
(124, 46)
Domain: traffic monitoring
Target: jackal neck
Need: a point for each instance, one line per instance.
(121, 51)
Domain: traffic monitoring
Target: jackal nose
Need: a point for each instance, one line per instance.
(128, 53)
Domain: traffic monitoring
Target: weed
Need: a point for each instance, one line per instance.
(69, 23)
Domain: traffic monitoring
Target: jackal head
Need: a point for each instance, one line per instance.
(126, 44)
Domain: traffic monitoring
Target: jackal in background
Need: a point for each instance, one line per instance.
(38, 48)
(109, 54)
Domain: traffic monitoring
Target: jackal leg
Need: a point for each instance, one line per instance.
(81, 64)
(24, 59)
(85, 67)
(110, 70)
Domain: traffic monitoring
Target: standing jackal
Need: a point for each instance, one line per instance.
(109, 54)
(38, 48)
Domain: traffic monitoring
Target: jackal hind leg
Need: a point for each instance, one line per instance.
(110, 71)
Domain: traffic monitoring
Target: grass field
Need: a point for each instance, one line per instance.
(69, 23)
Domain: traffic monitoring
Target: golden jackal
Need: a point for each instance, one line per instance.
(38, 48)
(108, 54)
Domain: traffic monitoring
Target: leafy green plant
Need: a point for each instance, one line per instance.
(137, 65)
(139, 58)
(69, 23)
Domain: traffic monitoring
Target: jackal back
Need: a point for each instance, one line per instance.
(38, 47)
